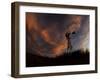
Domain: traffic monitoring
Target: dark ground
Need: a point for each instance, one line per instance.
(74, 58)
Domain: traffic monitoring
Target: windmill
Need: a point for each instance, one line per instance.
(73, 27)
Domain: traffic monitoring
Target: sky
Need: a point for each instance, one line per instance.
(45, 33)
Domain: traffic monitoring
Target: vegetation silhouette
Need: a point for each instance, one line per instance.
(72, 58)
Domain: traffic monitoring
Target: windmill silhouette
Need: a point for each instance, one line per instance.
(68, 37)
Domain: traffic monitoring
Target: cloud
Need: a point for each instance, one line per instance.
(46, 33)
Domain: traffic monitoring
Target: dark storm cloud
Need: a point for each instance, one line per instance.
(46, 33)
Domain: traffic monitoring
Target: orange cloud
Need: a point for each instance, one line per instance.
(31, 21)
